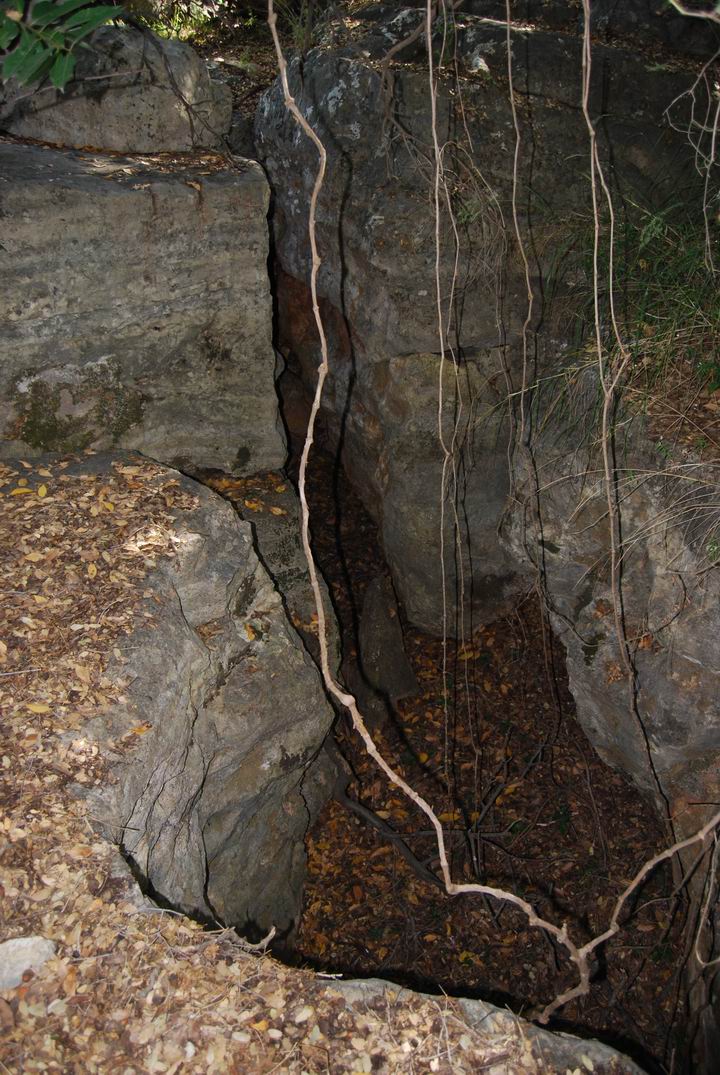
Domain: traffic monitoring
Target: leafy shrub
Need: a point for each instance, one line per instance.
(38, 40)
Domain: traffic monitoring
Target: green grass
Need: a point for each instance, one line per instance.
(666, 296)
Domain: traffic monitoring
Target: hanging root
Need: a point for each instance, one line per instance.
(581, 956)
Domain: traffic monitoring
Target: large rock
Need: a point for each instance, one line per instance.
(136, 310)
(213, 802)
(377, 281)
(133, 92)
(671, 611)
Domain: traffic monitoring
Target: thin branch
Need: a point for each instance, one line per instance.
(709, 14)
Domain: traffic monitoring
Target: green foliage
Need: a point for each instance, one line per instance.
(37, 40)
(185, 19)
(302, 21)
(665, 294)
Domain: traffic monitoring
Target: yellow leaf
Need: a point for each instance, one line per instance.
(278, 511)
(431, 937)
(34, 557)
(254, 505)
(261, 1025)
(141, 729)
(451, 815)
(91, 570)
(108, 505)
(38, 707)
(44, 472)
(423, 757)
(280, 488)
(69, 983)
(42, 491)
(20, 490)
(250, 632)
(82, 672)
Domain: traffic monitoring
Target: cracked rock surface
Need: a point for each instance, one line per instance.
(214, 801)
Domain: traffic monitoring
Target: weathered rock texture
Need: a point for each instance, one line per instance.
(377, 282)
(133, 92)
(381, 672)
(213, 802)
(135, 309)
(22, 954)
(671, 600)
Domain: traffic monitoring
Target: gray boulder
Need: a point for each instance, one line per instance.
(377, 281)
(213, 802)
(136, 309)
(21, 954)
(132, 92)
(671, 601)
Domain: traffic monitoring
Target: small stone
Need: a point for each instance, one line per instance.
(274, 1034)
(303, 1014)
(21, 954)
(314, 1035)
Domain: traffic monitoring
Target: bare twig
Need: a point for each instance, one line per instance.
(708, 13)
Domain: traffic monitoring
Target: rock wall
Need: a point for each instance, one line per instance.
(135, 308)
(671, 611)
(377, 281)
(213, 800)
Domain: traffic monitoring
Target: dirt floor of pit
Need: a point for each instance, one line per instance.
(503, 757)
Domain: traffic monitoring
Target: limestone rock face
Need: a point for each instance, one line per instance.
(671, 598)
(133, 92)
(214, 801)
(135, 309)
(377, 283)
